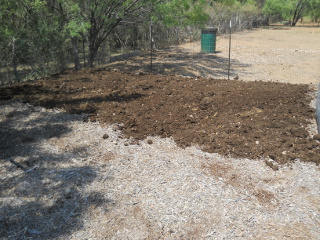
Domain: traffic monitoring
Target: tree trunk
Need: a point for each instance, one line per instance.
(84, 54)
(91, 57)
(298, 13)
(74, 42)
(94, 45)
(14, 60)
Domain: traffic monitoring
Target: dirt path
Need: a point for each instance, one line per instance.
(290, 55)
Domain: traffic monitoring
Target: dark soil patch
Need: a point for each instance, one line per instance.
(234, 118)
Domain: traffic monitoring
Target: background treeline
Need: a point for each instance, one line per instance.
(42, 37)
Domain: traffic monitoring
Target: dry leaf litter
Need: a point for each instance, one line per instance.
(86, 181)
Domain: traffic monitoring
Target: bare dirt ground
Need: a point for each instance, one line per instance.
(233, 118)
(116, 169)
(277, 54)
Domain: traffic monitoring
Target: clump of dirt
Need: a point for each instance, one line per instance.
(239, 119)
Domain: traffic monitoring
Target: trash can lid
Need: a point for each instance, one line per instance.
(210, 30)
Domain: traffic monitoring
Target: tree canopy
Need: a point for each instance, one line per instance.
(292, 10)
(45, 26)
(43, 36)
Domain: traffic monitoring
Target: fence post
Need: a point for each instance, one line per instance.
(229, 51)
(151, 36)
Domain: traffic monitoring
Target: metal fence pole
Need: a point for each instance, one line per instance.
(151, 47)
(229, 51)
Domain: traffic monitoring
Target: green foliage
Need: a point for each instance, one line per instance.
(31, 36)
(182, 12)
(314, 11)
(225, 2)
(40, 34)
(292, 10)
(278, 8)
(243, 14)
(37, 5)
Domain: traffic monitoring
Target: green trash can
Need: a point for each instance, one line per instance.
(208, 40)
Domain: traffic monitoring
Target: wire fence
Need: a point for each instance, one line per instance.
(127, 38)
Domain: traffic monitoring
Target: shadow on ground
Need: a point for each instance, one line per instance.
(179, 62)
(41, 190)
